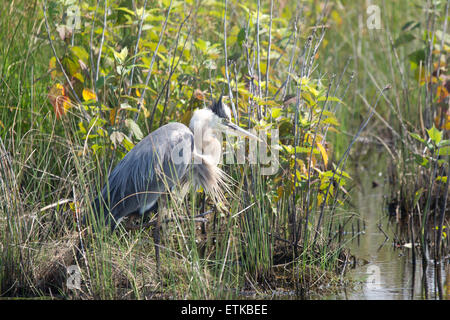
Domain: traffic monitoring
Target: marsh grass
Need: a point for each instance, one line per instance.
(49, 175)
(417, 200)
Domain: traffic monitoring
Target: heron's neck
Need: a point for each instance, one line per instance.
(208, 146)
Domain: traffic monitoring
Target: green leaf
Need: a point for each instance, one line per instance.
(80, 53)
(100, 82)
(417, 137)
(403, 39)
(410, 25)
(338, 173)
(134, 128)
(241, 36)
(70, 66)
(127, 143)
(442, 179)
(96, 148)
(417, 196)
(276, 112)
(303, 150)
(417, 56)
(422, 161)
(122, 55)
(332, 121)
(444, 151)
(443, 143)
(201, 45)
(131, 13)
(435, 135)
(116, 138)
(292, 150)
(330, 99)
(126, 106)
(82, 128)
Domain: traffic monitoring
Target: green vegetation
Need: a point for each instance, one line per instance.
(75, 101)
(411, 53)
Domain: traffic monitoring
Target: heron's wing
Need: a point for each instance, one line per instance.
(154, 165)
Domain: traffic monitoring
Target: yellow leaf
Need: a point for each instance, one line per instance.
(186, 117)
(323, 152)
(280, 191)
(446, 122)
(78, 76)
(276, 112)
(88, 95)
(319, 199)
(441, 93)
(314, 162)
(112, 116)
(58, 99)
(66, 104)
(53, 69)
(146, 112)
(336, 17)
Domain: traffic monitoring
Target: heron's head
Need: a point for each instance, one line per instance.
(218, 119)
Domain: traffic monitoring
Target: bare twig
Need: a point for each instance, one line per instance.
(102, 40)
(161, 36)
(137, 46)
(230, 92)
(268, 55)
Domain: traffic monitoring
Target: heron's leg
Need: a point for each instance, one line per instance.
(153, 209)
(156, 240)
(162, 207)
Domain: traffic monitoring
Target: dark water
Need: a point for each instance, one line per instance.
(388, 271)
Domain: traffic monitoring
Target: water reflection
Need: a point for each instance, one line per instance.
(396, 280)
(390, 272)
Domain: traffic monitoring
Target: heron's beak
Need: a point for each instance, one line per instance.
(236, 130)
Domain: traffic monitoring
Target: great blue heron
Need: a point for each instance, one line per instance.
(163, 160)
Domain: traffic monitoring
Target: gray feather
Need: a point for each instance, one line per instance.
(145, 172)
